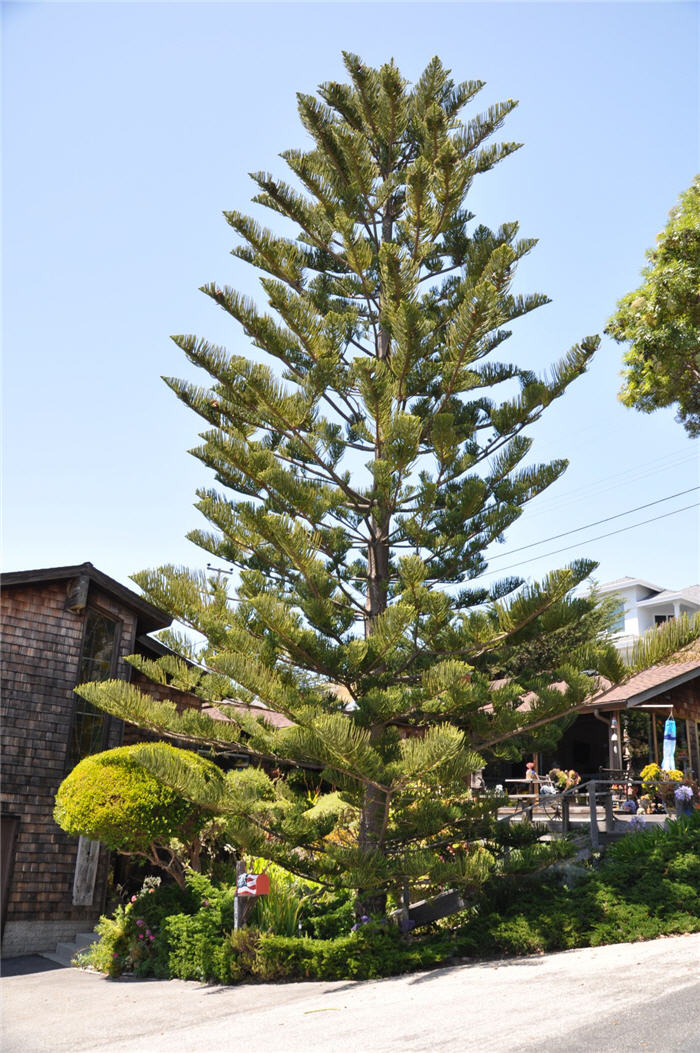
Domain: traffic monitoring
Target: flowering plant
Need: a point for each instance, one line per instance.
(129, 939)
(661, 782)
(563, 779)
(652, 776)
(688, 795)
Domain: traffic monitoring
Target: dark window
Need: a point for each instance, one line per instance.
(96, 663)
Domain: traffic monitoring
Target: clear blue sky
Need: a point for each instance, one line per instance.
(129, 127)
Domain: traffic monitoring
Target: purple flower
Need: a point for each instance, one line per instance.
(683, 794)
(140, 935)
(139, 921)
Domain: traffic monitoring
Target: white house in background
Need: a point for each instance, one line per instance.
(644, 605)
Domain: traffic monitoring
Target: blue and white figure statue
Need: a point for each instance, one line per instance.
(667, 763)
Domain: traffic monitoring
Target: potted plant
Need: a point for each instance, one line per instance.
(658, 782)
(645, 804)
(564, 780)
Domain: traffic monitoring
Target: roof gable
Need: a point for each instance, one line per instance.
(689, 595)
(150, 617)
(627, 583)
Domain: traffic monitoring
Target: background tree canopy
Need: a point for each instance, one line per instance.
(661, 320)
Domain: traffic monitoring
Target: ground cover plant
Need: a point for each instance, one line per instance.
(367, 453)
(647, 885)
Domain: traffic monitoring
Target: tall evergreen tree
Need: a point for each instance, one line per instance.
(367, 459)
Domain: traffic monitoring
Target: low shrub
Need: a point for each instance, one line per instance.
(133, 939)
(328, 914)
(372, 952)
(195, 943)
(647, 885)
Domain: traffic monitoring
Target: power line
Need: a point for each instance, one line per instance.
(611, 533)
(608, 519)
(553, 502)
(649, 467)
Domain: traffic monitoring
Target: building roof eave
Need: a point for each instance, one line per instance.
(627, 583)
(668, 598)
(636, 699)
(150, 617)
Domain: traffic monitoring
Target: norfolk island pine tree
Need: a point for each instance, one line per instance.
(366, 459)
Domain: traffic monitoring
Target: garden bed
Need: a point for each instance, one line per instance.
(647, 885)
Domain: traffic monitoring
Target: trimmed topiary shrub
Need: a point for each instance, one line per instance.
(110, 798)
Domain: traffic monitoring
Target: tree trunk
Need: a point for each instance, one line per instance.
(373, 814)
(171, 865)
(369, 901)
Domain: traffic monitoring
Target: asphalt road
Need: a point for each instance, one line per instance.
(628, 997)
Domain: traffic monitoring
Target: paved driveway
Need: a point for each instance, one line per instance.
(629, 997)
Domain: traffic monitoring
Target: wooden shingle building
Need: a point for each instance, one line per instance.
(61, 627)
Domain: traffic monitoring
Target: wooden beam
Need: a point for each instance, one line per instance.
(691, 729)
(428, 910)
(655, 741)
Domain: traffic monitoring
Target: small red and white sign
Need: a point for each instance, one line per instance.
(253, 885)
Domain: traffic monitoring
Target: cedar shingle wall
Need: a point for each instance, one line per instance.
(686, 700)
(41, 652)
(182, 700)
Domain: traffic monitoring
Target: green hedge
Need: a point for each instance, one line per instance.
(197, 952)
(366, 955)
